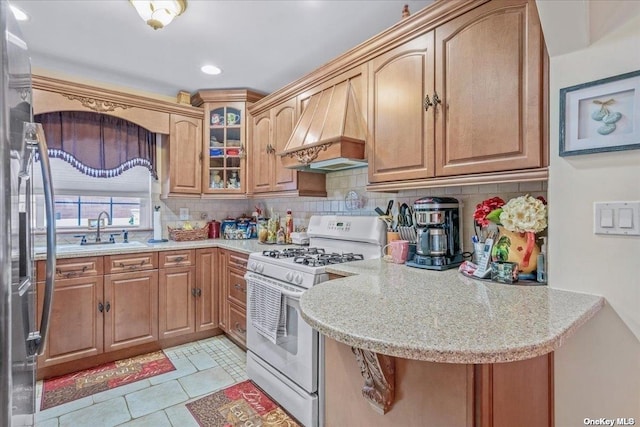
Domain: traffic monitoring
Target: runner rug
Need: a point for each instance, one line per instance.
(241, 404)
(59, 390)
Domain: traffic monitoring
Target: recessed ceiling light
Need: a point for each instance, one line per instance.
(19, 13)
(211, 69)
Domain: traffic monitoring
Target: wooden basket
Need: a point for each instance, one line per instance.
(180, 235)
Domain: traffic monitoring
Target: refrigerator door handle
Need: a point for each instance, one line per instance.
(35, 137)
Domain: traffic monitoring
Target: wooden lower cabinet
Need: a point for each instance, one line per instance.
(233, 301)
(116, 306)
(442, 394)
(76, 328)
(130, 309)
(188, 297)
(95, 314)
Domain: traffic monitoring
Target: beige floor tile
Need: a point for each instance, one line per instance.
(105, 414)
(205, 382)
(56, 411)
(120, 391)
(203, 361)
(183, 368)
(155, 398)
(157, 419)
(179, 415)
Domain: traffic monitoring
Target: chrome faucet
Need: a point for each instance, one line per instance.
(98, 224)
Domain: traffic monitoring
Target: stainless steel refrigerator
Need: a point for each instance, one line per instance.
(22, 330)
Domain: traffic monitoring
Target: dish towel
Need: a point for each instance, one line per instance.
(268, 310)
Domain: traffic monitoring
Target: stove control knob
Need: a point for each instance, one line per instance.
(298, 278)
(289, 276)
(260, 268)
(253, 266)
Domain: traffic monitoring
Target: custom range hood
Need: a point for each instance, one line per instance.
(330, 134)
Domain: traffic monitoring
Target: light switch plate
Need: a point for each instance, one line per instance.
(620, 218)
(184, 214)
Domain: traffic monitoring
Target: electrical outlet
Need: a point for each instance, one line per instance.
(184, 214)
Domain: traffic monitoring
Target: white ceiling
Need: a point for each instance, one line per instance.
(260, 45)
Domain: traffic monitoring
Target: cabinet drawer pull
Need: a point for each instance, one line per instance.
(239, 328)
(178, 259)
(239, 287)
(132, 266)
(107, 307)
(71, 273)
(196, 292)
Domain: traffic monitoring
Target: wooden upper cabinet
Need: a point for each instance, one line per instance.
(283, 122)
(185, 154)
(271, 130)
(400, 132)
(489, 75)
(261, 156)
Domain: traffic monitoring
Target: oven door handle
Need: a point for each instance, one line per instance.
(286, 292)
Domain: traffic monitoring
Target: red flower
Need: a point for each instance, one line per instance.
(483, 209)
(542, 199)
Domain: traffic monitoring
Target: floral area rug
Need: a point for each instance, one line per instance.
(59, 390)
(241, 404)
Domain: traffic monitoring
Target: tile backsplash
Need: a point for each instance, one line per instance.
(338, 185)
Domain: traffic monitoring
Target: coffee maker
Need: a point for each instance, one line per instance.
(438, 246)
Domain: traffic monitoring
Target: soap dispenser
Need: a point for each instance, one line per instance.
(541, 275)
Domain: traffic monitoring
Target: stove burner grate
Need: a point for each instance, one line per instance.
(320, 259)
(292, 252)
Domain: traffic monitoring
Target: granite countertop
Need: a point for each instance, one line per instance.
(442, 316)
(74, 251)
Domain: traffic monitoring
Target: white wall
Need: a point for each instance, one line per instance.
(597, 371)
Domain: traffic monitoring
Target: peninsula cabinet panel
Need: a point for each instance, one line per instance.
(401, 141)
(75, 331)
(489, 76)
(185, 155)
(131, 309)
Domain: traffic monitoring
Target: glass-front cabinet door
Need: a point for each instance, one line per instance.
(224, 153)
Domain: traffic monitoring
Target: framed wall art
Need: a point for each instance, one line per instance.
(603, 115)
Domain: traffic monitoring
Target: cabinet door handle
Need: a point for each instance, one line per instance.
(239, 287)
(100, 307)
(193, 292)
(107, 307)
(198, 292)
(427, 103)
(436, 99)
(242, 152)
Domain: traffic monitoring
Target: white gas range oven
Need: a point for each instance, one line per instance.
(291, 369)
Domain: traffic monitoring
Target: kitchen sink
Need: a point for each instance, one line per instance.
(76, 247)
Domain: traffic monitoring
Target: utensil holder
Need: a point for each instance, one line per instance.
(408, 233)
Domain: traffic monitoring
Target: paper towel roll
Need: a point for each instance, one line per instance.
(157, 226)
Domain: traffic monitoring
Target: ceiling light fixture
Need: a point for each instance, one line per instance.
(210, 69)
(19, 14)
(159, 13)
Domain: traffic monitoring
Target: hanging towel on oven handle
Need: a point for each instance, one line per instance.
(268, 310)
